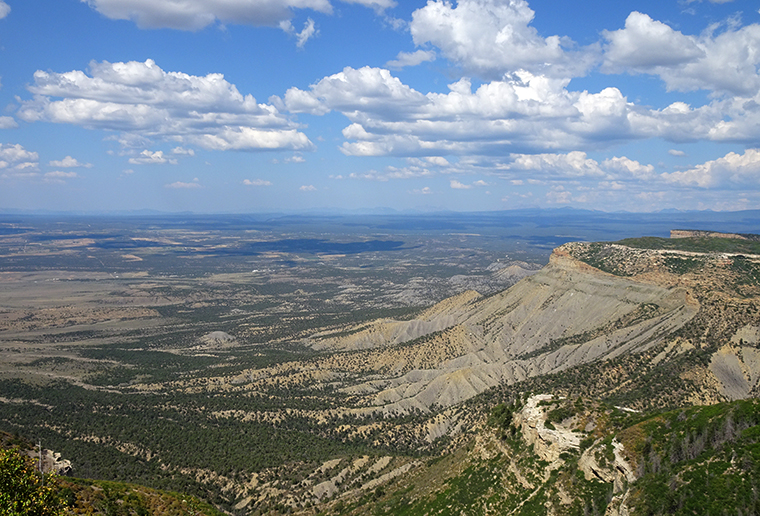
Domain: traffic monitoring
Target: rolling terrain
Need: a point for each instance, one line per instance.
(294, 405)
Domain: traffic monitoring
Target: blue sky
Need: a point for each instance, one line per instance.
(264, 105)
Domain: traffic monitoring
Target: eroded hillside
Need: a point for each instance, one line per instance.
(572, 312)
(726, 286)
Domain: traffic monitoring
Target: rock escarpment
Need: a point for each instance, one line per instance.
(696, 233)
(548, 443)
(567, 314)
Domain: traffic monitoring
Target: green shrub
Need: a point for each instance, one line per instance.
(23, 491)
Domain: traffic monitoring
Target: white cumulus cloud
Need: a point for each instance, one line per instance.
(457, 185)
(59, 176)
(724, 62)
(624, 168)
(69, 162)
(559, 195)
(404, 59)
(256, 182)
(183, 151)
(373, 89)
(5, 9)
(522, 113)
(646, 43)
(377, 5)
(438, 160)
(573, 164)
(147, 157)
(731, 171)
(144, 102)
(180, 185)
(16, 157)
(309, 31)
(491, 37)
(8, 122)
(392, 173)
(196, 14)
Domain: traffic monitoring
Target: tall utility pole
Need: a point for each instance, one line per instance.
(42, 473)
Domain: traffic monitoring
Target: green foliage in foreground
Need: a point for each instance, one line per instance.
(120, 499)
(701, 460)
(22, 491)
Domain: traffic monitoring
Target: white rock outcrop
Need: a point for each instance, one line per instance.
(547, 443)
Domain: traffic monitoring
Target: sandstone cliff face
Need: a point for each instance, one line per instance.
(554, 443)
(547, 443)
(567, 314)
(692, 233)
